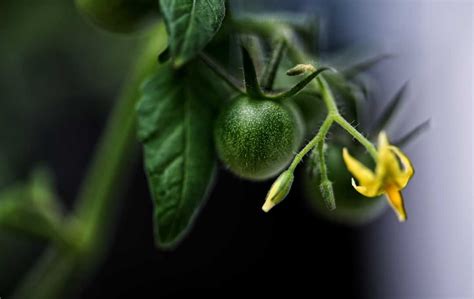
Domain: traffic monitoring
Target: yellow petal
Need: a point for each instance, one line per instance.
(370, 190)
(408, 171)
(395, 199)
(364, 175)
(387, 167)
(383, 140)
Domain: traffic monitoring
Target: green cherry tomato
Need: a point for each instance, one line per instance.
(351, 207)
(120, 16)
(256, 139)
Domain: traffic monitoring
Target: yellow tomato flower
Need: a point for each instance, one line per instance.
(392, 173)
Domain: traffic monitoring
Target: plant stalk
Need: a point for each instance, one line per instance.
(59, 270)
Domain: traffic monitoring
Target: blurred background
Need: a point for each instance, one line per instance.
(59, 77)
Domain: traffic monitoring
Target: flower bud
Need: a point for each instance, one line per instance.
(327, 193)
(300, 69)
(279, 190)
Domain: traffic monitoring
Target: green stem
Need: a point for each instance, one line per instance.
(333, 110)
(297, 88)
(327, 96)
(99, 190)
(320, 136)
(59, 269)
(357, 135)
(322, 161)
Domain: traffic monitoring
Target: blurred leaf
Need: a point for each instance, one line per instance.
(389, 112)
(363, 66)
(191, 25)
(31, 208)
(413, 133)
(164, 56)
(175, 121)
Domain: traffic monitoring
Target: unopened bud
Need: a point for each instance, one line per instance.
(300, 69)
(279, 190)
(328, 194)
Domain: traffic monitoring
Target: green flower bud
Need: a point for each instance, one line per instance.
(279, 190)
(327, 193)
(301, 69)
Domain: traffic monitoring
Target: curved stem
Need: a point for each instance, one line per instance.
(320, 136)
(357, 135)
(58, 269)
(328, 97)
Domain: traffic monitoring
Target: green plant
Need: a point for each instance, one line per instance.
(174, 105)
(121, 16)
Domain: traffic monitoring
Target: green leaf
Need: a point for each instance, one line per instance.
(271, 69)
(363, 66)
(191, 24)
(299, 86)
(390, 110)
(175, 125)
(252, 86)
(413, 133)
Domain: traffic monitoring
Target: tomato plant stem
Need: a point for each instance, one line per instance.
(320, 136)
(60, 269)
(357, 135)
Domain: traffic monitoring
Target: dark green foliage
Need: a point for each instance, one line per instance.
(252, 86)
(121, 16)
(191, 24)
(175, 127)
(32, 207)
(389, 111)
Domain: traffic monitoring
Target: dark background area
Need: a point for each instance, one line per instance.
(234, 248)
(58, 78)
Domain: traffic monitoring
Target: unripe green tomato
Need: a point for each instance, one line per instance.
(121, 16)
(256, 139)
(351, 207)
